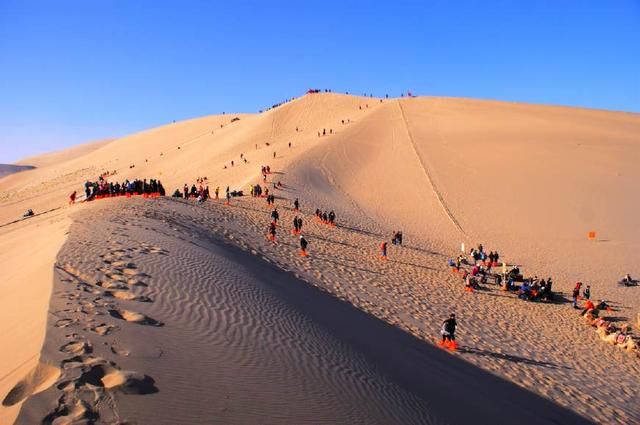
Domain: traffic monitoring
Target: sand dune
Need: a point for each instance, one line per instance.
(57, 157)
(528, 180)
(243, 341)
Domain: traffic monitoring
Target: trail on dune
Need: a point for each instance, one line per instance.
(427, 173)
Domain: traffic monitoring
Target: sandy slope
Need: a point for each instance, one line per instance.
(528, 180)
(156, 319)
(57, 157)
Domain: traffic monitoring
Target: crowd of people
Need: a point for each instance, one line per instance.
(200, 193)
(328, 218)
(619, 335)
(536, 289)
(103, 189)
(324, 132)
(481, 271)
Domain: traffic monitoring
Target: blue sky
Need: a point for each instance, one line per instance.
(73, 71)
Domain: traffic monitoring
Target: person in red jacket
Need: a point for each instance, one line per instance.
(383, 250)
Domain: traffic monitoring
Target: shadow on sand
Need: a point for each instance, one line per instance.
(457, 391)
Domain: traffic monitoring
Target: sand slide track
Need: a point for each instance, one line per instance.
(427, 173)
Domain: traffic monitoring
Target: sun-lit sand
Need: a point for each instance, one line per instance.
(168, 311)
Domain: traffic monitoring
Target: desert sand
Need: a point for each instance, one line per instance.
(169, 311)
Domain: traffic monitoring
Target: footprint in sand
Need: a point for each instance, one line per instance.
(77, 411)
(112, 285)
(39, 379)
(116, 276)
(63, 323)
(136, 282)
(97, 375)
(102, 329)
(77, 347)
(129, 271)
(125, 295)
(134, 317)
(119, 351)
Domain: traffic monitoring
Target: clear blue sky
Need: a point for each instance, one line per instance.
(72, 71)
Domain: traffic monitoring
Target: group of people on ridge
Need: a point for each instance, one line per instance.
(102, 188)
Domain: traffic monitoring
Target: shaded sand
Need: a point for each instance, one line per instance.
(243, 341)
(528, 180)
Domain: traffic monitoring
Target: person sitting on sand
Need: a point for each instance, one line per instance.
(458, 262)
(469, 282)
(525, 290)
(28, 213)
(535, 289)
(588, 307)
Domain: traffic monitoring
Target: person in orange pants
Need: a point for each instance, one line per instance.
(297, 225)
(303, 246)
(271, 234)
(448, 332)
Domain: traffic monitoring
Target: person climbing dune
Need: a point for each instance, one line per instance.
(448, 332)
(303, 247)
(383, 250)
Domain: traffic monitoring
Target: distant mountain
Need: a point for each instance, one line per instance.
(6, 169)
